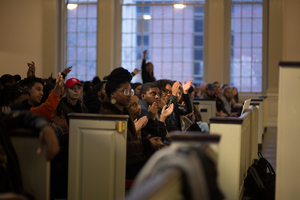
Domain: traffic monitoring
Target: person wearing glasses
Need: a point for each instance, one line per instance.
(119, 95)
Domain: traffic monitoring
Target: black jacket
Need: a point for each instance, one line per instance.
(145, 75)
(173, 121)
(137, 149)
(93, 104)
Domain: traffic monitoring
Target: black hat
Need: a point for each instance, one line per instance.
(7, 77)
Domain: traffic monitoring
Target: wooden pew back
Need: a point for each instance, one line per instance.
(237, 150)
(35, 170)
(206, 107)
(97, 156)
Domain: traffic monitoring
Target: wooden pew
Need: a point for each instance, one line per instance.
(169, 185)
(97, 156)
(35, 170)
(288, 132)
(206, 107)
(261, 104)
(237, 150)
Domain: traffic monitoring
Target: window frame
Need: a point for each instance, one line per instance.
(227, 47)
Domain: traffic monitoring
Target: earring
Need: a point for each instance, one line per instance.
(113, 101)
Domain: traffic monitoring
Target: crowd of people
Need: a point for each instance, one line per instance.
(156, 108)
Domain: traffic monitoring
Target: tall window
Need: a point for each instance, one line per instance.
(81, 37)
(171, 33)
(247, 45)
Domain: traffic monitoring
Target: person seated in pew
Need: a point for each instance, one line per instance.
(195, 116)
(9, 167)
(220, 110)
(35, 88)
(217, 87)
(70, 103)
(228, 103)
(149, 99)
(135, 110)
(94, 102)
(174, 120)
(137, 88)
(119, 93)
(209, 92)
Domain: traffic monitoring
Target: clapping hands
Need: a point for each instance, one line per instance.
(186, 86)
(140, 123)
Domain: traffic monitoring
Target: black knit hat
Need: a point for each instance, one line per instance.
(117, 77)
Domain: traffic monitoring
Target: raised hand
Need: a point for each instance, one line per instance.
(58, 84)
(31, 69)
(141, 123)
(186, 86)
(175, 88)
(136, 71)
(152, 110)
(144, 54)
(166, 112)
(67, 70)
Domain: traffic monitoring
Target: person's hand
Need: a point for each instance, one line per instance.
(144, 54)
(189, 115)
(141, 123)
(136, 71)
(156, 143)
(152, 110)
(58, 84)
(186, 86)
(175, 88)
(67, 70)
(49, 139)
(31, 69)
(166, 112)
(6, 109)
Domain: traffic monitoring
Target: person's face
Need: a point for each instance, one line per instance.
(168, 93)
(234, 91)
(123, 94)
(192, 96)
(228, 93)
(197, 89)
(149, 68)
(36, 93)
(203, 86)
(217, 87)
(162, 101)
(103, 92)
(219, 93)
(179, 94)
(135, 107)
(137, 90)
(74, 92)
(151, 96)
(210, 93)
(20, 98)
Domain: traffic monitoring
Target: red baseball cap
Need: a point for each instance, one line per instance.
(71, 81)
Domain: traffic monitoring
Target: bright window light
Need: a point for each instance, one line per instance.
(146, 17)
(179, 6)
(71, 6)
